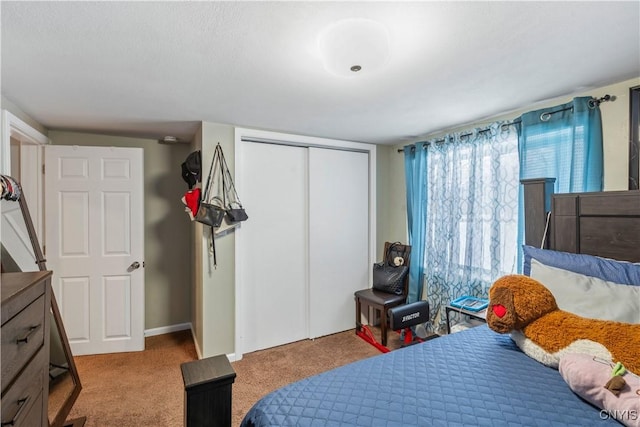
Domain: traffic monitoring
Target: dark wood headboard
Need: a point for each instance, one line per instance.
(605, 224)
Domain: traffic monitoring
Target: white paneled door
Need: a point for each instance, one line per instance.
(95, 245)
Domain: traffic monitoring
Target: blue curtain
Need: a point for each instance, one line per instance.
(469, 236)
(415, 161)
(562, 142)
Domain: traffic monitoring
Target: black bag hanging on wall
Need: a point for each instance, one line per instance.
(235, 211)
(387, 277)
(210, 214)
(236, 214)
(211, 209)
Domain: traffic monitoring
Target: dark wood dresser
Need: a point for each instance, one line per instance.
(26, 302)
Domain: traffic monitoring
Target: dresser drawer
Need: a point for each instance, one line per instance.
(22, 403)
(22, 336)
(16, 296)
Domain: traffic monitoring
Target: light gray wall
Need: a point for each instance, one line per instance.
(214, 305)
(615, 130)
(390, 197)
(396, 224)
(167, 243)
(197, 269)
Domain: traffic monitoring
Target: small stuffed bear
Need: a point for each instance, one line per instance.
(525, 308)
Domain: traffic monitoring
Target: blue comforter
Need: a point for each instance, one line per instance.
(472, 378)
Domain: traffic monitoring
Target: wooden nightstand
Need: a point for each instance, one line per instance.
(478, 315)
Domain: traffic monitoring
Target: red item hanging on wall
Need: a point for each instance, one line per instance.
(191, 200)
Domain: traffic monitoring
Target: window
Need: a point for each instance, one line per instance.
(472, 200)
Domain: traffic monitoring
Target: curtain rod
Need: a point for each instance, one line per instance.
(593, 102)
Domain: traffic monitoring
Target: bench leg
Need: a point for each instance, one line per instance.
(358, 309)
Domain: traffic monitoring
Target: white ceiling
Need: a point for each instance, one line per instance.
(150, 69)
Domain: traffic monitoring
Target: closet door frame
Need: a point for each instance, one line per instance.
(244, 134)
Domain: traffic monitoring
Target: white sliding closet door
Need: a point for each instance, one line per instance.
(338, 237)
(305, 249)
(273, 258)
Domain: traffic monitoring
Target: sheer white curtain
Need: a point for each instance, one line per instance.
(472, 214)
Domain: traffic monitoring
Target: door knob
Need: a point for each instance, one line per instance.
(134, 266)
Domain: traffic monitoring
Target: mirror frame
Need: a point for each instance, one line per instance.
(61, 417)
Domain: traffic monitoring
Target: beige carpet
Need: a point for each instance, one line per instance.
(146, 388)
(135, 389)
(263, 371)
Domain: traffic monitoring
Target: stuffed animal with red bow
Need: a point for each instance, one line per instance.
(525, 308)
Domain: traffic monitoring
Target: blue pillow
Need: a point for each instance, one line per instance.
(622, 272)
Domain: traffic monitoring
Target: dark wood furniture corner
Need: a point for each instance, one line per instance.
(25, 348)
(207, 388)
(605, 224)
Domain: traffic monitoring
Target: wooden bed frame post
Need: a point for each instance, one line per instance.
(537, 203)
(566, 217)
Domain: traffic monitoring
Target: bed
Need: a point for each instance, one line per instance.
(475, 377)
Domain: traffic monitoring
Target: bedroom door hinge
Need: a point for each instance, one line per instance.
(43, 169)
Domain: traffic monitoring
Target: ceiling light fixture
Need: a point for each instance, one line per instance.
(169, 140)
(354, 46)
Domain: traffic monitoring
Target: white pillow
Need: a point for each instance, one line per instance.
(588, 296)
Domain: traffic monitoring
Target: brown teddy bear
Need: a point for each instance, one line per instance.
(525, 308)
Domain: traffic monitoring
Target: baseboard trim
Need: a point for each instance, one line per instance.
(182, 327)
(167, 329)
